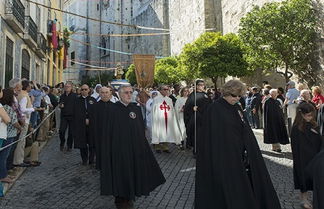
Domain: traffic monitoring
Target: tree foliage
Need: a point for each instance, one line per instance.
(130, 74)
(167, 71)
(213, 55)
(281, 36)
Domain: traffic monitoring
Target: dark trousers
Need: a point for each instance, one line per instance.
(87, 154)
(11, 154)
(256, 120)
(66, 123)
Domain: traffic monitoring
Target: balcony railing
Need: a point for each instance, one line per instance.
(31, 28)
(42, 43)
(15, 10)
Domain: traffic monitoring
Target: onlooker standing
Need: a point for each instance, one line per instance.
(248, 109)
(305, 96)
(291, 100)
(26, 108)
(36, 95)
(318, 98)
(305, 144)
(15, 85)
(67, 101)
(7, 101)
(4, 120)
(256, 107)
(281, 97)
(54, 102)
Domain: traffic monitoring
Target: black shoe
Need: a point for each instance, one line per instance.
(69, 149)
(84, 163)
(158, 151)
(61, 148)
(23, 165)
(166, 151)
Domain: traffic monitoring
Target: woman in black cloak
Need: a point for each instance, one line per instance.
(305, 144)
(231, 173)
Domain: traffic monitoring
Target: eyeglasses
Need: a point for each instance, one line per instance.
(84, 89)
(128, 92)
(165, 89)
(233, 95)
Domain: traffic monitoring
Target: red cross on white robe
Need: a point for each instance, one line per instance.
(164, 106)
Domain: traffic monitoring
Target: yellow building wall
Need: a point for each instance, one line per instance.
(55, 66)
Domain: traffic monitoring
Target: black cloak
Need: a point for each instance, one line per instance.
(304, 145)
(315, 173)
(202, 102)
(275, 130)
(128, 166)
(99, 123)
(231, 172)
(82, 133)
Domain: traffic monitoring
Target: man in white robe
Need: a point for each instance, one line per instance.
(165, 128)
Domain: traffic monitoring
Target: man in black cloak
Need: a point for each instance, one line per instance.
(191, 107)
(128, 166)
(82, 133)
(99, 120)
(274, 130)
(231, 173)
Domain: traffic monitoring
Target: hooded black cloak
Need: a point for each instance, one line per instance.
(128, 166)
(231, 172)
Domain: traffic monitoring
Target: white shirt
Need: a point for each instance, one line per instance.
(3, 127)
(25, 111)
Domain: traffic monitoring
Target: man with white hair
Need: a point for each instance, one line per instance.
(15, 84)
(305, 96)
(128, 166)
(291, 100)
(275, 131)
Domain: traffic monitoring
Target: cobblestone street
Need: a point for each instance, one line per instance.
(62, 182)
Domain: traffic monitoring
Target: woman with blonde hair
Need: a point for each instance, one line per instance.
(318, 98)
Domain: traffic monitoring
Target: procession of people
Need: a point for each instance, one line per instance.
(121, 133)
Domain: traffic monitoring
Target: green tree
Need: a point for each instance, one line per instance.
(281, 36)
(167, 71)
(130, 74)
(213, 56)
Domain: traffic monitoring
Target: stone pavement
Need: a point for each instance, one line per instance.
(62, 182)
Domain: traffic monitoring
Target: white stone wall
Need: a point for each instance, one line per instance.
(149, 14)
(187, 22)
(234, 10)
(78, 25)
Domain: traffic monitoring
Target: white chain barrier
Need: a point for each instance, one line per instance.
(34, 131)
